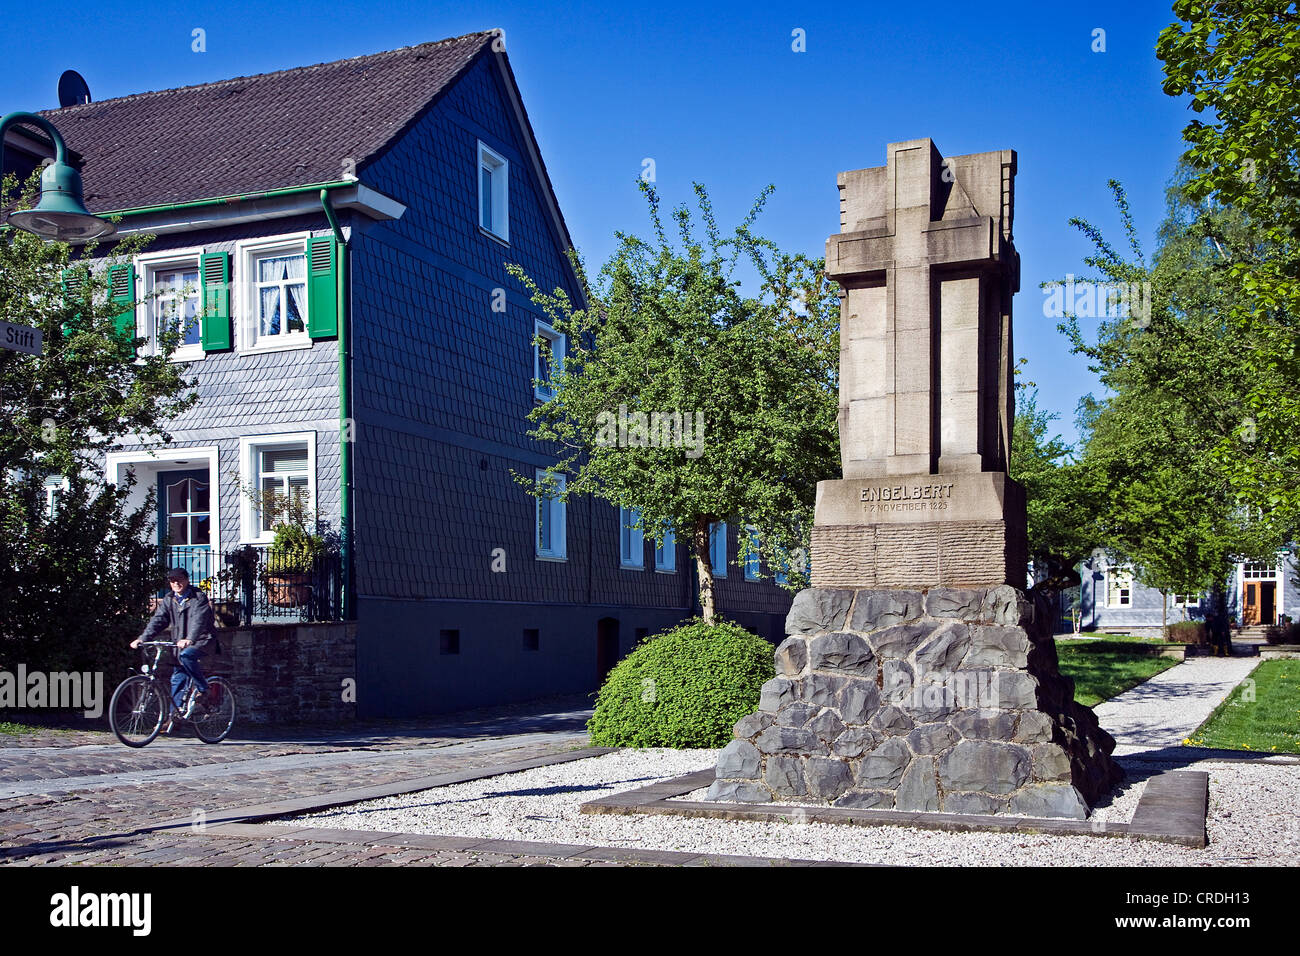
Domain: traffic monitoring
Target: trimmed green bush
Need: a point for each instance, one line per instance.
(683, 688)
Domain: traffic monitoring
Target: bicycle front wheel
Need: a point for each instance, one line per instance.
(136, 711)
(218, 715)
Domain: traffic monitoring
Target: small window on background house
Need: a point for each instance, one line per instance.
(493, 193)
(532, 639)
(449, 642)
(666, 553)
(631, 539)
(548, 357)
(551, 531)
(1119, 587)
(718, 548)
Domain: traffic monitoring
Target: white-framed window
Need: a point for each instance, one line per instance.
(1256, 570)
(55, 486)
(1119, 587)
(283, 465)
(631, 539)
(173, 296)
(718, 548)
(493, 193)
(1187, 600)
(272, 299)
(551, 522)
(666, 553)
(548, 358)
(751, 559)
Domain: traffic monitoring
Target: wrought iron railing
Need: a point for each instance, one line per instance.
(252, 584)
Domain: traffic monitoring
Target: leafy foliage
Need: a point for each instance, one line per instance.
(1153, 467)
(668, 330)
(74, 586)
(686, 687)
(1239, 63)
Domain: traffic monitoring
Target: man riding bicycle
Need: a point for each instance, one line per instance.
(189, 615)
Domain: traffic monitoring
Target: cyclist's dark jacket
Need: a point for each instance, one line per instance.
(190, 618)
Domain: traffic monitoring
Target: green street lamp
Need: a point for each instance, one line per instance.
(60, 214)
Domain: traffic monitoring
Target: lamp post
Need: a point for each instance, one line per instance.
(60, 215)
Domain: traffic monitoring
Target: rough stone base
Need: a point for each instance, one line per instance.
(941, 700)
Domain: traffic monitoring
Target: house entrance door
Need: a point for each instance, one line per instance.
(185, 522)
(1250, 603)
(1268, 602)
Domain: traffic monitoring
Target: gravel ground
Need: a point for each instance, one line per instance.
(1253, 819)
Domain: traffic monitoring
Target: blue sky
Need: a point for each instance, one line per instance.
(714, 93)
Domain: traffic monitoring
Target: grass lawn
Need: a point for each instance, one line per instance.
(9, 727)
(1102, 669)
(1270, 723)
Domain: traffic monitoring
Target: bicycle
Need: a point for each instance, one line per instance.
(142, 704)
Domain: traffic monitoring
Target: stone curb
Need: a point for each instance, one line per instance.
(1172, 809)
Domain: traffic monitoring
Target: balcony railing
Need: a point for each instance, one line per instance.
(246, 586)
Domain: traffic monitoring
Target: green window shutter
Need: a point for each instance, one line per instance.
(214, 268)
(322, 287)
(121, 291)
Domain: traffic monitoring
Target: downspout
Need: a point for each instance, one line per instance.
(346, 430)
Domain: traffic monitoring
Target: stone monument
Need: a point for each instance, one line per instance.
(914, 675)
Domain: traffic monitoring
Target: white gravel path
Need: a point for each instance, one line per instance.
(1253, 820)
(1163, 711)
(1253, 817)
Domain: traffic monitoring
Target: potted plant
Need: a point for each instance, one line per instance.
(291, 564)
(292, 558)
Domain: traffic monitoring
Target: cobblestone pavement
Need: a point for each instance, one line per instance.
(80, 797)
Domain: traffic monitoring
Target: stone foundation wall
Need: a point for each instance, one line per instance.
(941, 700)
(285, 673)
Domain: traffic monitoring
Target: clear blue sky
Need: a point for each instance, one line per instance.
(714, 92)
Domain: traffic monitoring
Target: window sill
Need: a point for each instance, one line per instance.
(193, 353)
(286, 346)
(558, 558)
(665, 570)
(631, 567)
(492, 235)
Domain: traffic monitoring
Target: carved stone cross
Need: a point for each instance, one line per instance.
(927, 267)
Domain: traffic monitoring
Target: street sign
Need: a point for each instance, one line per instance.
(21, 338)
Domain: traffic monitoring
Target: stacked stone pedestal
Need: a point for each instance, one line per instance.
(941, 700)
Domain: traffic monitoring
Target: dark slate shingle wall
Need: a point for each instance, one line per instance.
(443, 387)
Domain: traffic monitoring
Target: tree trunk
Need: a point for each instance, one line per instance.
(1164, 613)
(704, 570)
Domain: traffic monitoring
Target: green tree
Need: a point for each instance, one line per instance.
(72, 579)
(1239, 63)
(1059, 523)
(667, 332)
(1152, 468)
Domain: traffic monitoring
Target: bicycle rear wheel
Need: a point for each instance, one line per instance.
(218, 716)
(136, 711)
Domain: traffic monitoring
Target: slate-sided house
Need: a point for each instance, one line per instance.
(1257, 594)
(465, 589)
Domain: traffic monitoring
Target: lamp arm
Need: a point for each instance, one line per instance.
(60, 151)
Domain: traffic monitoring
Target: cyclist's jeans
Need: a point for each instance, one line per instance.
(189, 665)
